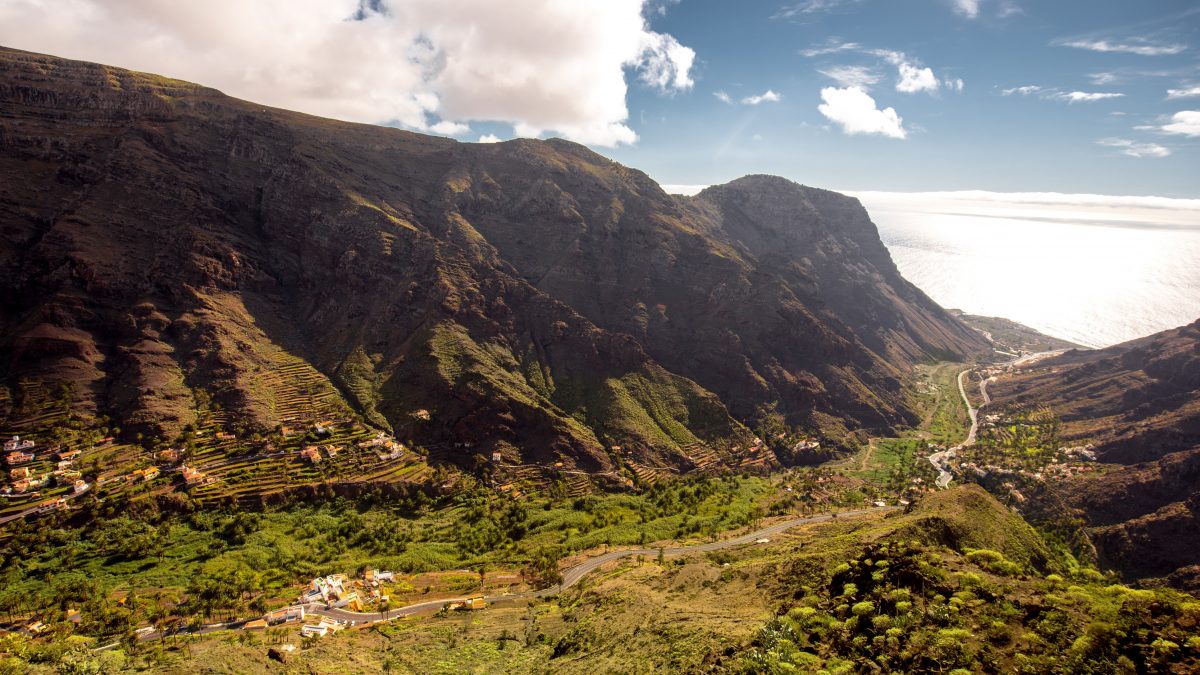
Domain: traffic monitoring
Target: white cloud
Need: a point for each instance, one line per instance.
(449, 128)
(1103, 78)
(723, 97)
(914, 79)
(862, 77)
(543, 66)
(954, 84)
(1139, 46)
(489, 138)
(811, 7)
(664, 63)
(1186, 92)
(831, 47)
(855, 112)
(1078, 208)
(768, 96)
(1134, 149)
(1059, 95)
(968, 8)
(1024, 91)
(686, 190)
(1084, 96)
(1184, 123)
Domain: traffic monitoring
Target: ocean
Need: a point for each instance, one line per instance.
(1091, 269)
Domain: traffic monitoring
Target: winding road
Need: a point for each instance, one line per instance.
(570, 577)
(941, 460)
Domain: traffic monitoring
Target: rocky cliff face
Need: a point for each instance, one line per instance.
(1139, 402)
(164, 243)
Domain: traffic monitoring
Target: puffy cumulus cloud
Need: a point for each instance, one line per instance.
(545, 66)
(911, 77)
(449, 128)
(1184, 123)
(768, 96)
(1135, 149)
(1137, 45)
(862, 77)
(855, 112)
(489, 138)
(1184, 92)
(914, 79)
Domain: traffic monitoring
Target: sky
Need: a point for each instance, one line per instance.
(862, 95)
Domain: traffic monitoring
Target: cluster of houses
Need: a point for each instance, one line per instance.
(24, 481)
(338, 591)
(386, 447)
(313, 452)
(19, 451)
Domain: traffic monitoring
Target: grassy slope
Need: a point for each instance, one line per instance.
(706, 612)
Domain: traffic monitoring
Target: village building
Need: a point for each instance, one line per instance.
(20, 458)
(80, 486)
(68, 455)
(15, 444)
(470, 604)
(311, 453)
(19, 473)
(284, 615)
(422, 415)
(193, 476)
(225, 436)
(148, 474)
(169, 456)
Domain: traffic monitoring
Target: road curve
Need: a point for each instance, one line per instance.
(574, 575)
(570, 576)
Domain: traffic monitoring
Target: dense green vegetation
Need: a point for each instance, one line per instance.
(184, 562)
(903, 607)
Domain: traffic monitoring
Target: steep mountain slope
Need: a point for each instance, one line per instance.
(1139, 403)
(537, 299)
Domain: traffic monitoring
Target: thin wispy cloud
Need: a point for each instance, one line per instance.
(1139, 46)
(863, 77)
(768, 96)
(723, 97)
(1135, 149)
(830, 47)
(1085, 96)
(1055, 94)
(803, 8)
(1184, 92)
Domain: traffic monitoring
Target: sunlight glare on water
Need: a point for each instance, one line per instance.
(1096, 273)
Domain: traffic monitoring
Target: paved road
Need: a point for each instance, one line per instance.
(33, 509)
(941, 460)
(570, 577)
(573, 575)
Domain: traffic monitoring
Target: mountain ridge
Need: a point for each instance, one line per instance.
(536, 298)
